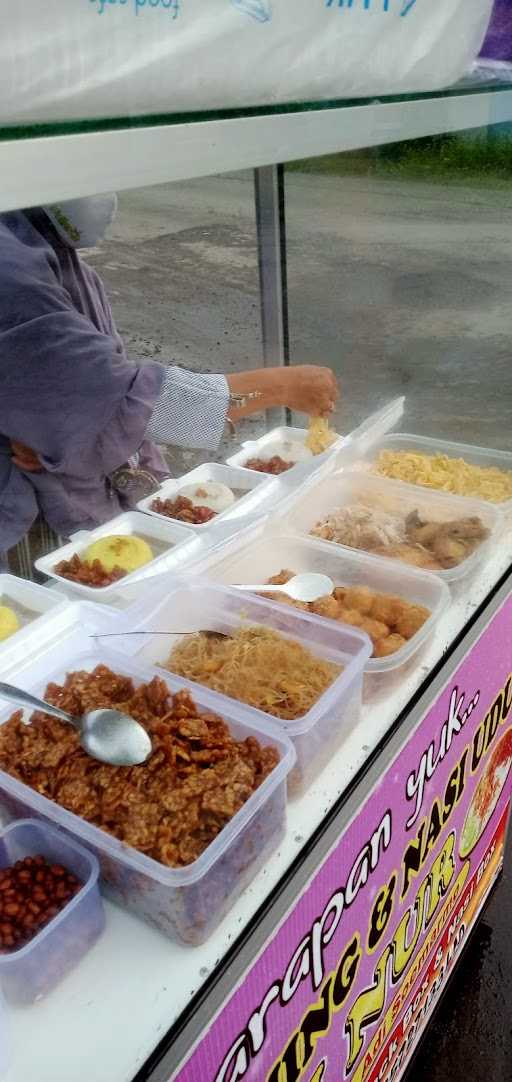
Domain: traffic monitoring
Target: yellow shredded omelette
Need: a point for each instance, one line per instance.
(256, 666)
(447, 474)
(320, 437)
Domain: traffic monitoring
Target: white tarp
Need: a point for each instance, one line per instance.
(76, 59)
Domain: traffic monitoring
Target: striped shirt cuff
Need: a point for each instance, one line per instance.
(191, 410)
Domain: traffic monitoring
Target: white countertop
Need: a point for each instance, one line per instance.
(106, 1018)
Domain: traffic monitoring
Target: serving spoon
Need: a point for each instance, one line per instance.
(308, 586)
(106, 735)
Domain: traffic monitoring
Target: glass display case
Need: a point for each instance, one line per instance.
(370, 236)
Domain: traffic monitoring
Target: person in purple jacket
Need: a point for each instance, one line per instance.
(77, 418)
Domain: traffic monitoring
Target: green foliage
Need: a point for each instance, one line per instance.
(483, 158)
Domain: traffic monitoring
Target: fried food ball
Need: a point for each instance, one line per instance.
(387, 608)
(374, 628)
(326, 606)
(350, 616)
(390, 645)
(283, 599)
(360, 598)
(281, 579)
(412, 620)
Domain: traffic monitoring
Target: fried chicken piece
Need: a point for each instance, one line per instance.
(410, 554)
(450, 542)
(449, 551)
(467, 529)
(419, 531)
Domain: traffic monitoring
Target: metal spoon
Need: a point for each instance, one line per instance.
(306, 587)
(106, 735)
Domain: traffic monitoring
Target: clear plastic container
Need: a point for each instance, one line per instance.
(165, 538)
(5, 1038)
(314, 501)
(30, 973)
(188, 903)
(254, 492)
(36, 608)
(199, 606)
(476, 456)
(68, 627)
(266, 554)
(290, 444)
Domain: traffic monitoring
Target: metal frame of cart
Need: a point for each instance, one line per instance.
(39, 167)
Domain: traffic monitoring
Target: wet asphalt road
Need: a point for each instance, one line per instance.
(404, 289)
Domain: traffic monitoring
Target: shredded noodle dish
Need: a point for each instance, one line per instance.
(258, 667)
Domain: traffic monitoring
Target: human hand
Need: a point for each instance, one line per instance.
(310, 389)
(25, 458)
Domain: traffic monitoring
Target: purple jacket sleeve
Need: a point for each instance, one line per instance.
(66, 389)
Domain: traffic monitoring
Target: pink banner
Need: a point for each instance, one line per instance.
(345, 987)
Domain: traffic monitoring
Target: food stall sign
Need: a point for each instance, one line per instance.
(345, 987)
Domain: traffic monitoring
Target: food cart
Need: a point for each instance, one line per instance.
(333, 958)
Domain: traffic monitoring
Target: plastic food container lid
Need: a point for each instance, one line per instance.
(197, 605)
(314, 500)
(266, 552)
(476, 456)
(38, 610)
(32, 971)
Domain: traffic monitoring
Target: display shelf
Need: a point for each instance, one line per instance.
(107, 1018)
(46, 163)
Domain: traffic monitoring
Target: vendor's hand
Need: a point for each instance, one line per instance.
(25, 458)
(310, 389)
